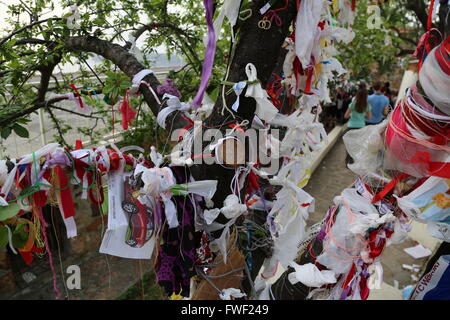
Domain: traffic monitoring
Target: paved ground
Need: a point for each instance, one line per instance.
(329, 179)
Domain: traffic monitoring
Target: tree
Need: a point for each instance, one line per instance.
(43, 43)
(386, 32)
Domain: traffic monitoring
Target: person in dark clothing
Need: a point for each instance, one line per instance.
(340, 99)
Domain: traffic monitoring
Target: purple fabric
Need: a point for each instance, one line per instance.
(59, 158)
(168, 87)
(345, 293)
(209, 54)
(177, 253)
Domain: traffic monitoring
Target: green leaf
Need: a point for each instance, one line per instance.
(19, 236)
(6, 131)
(9, 211)
(3, 236)
(21, 131)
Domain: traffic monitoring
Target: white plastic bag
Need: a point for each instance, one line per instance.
(363, 145)
(310, 275)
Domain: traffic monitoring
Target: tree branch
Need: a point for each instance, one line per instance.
(129, 65)
(399, 34)
(91, 116)
(404, 52)
(4, 40)
(420, 10)
(58, 127)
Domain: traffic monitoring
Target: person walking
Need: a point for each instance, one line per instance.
(379, 103)
(358, 112)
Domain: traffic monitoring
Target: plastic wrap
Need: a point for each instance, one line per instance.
(345, 243)
(364, 147)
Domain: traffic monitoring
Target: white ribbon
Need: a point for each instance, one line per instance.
(134, 50)
(137, 79)
(157, 182)
(173, 104)
(72, 21)
(86, 109)
(211, 215)
(310, 275)
(232, 208)
(228, 294)
(156, 157)
(229, 9)
(307, 30)
(238, 88)
(265, 110)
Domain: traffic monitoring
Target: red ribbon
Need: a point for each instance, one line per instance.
(353, 5)
(427, 42)
(253, 184)
(275, 89)
(298, 70)
(77, 95)
(65, 192)
(442, 56)
(389, 187)
(81, 169)
(430, 15)
(27, 256)
(436, 169)
(376, 250)
(349, 276)
(128, 113)
(309, 80)
(78, 145)
(40, 197)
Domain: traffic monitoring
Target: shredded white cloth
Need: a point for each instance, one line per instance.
(134, 50)
(157, 182)
(85, 108)
(229, 9)
(265, 110)
(307, 30)
(232, 208)
(173, 104)
(211, 215)
(137, 79)
(228, 294)
(310, 275)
